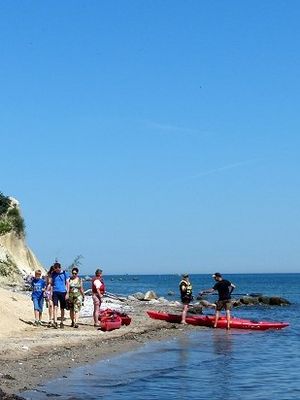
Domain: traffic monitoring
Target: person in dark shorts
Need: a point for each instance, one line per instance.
(224, 289)
(58, 282)
(186, 294)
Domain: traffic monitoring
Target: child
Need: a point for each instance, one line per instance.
(38, 286)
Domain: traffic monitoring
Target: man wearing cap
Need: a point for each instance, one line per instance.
(185, 288)
(224, 289)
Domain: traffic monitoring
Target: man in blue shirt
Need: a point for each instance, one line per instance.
(58, 282)
(38, 287)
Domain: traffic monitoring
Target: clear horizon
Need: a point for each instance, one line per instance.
(154, 137)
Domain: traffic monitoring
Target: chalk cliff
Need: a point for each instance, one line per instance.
(16, 258)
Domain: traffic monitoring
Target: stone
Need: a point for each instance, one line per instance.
(139, 296)
(264, 300)
(248, 300)
(278, 301)
(150, 295)
(206, 304)
(195, 310)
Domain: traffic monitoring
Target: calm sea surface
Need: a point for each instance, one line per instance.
(206, 363)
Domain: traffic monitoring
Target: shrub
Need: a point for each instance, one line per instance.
(5, 227)
(10, 217)
(7, 268)
(13, 212)
(4, 204)
(18, 225)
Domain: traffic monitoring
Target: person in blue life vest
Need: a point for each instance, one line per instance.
(38, 287)
(186, 294)
(58, 281)
(224, 289)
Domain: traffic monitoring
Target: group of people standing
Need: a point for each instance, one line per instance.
(222, 286)
(63, 291)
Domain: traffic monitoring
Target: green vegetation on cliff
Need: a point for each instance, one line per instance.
(10, 217)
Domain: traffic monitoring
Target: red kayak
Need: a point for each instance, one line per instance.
(109, 323)
(126, 320)
(208, 320)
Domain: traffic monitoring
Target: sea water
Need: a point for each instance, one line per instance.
(206, 363)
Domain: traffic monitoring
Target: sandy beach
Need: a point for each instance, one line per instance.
(31, 355)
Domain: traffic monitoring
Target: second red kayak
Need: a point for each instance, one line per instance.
(208, 320)
(111, 319)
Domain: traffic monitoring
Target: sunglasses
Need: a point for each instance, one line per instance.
(74, 272)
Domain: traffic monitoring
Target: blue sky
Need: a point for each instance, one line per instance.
(154, 136)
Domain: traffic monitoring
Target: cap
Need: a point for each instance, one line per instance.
(217, 275)
(185, 275)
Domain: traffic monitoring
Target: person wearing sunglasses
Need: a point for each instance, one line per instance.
(75, 296)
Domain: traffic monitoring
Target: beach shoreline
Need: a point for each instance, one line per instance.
(34, 355)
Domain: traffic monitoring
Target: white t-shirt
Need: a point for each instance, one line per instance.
(98, 284)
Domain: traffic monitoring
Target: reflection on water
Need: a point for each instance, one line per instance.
(222, 342)
(222, 348)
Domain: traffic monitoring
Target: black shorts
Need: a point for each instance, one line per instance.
(59, 297)
(223, 305)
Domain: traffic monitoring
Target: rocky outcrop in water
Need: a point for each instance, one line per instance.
(248, 300)
(262, 300)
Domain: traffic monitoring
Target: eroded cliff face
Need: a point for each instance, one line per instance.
(16, 259)
(13, 250)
